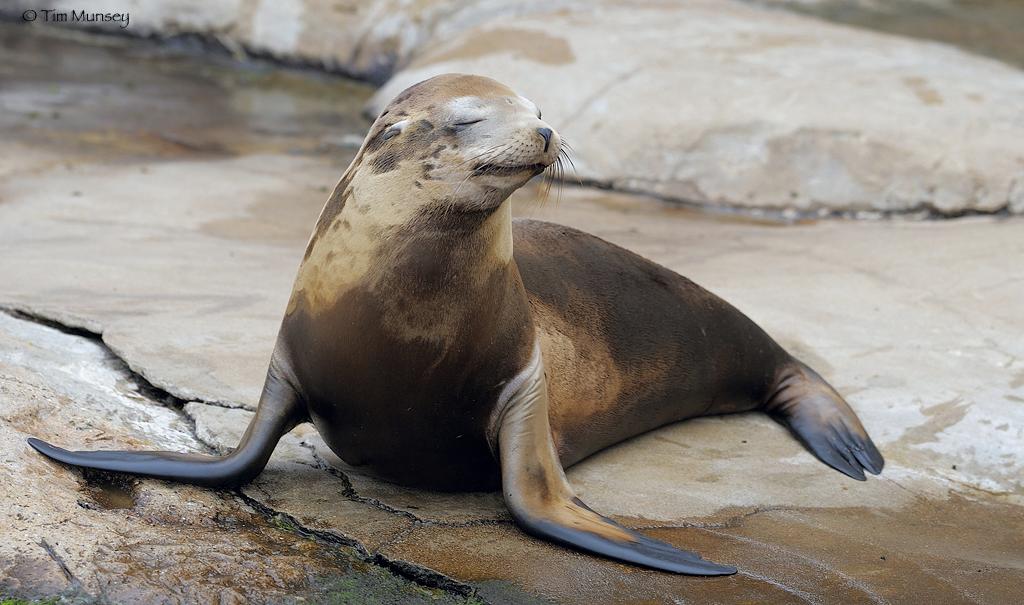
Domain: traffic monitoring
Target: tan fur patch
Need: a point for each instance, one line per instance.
(584, 381)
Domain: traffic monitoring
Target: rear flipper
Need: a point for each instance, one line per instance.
(279, 411)
(823, 421)
(544, 505)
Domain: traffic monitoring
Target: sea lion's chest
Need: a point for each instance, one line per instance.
(404, 381)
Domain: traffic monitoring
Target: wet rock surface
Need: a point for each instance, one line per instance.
(182, 260)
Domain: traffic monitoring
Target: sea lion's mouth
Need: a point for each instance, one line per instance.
(498, 169)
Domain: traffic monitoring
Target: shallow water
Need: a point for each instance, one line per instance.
(62, 87)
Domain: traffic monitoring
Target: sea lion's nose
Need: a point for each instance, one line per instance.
(546, 134)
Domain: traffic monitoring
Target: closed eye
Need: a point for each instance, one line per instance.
(468, 122)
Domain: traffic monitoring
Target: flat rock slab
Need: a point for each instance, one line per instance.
(183, 260)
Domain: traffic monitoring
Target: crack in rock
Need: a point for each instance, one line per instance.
(350, 491)
(729, 523)
(417, 521)
(72, 580)
(923, 211)
(145, 388)
(91, 331)
(424, 576)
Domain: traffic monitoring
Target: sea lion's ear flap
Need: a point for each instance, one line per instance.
(394, 130)
(542, 501)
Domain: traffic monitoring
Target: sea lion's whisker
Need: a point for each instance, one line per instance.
(575, 173)
(482, 153)
(561, 180)
(493, 152)
(547, 181)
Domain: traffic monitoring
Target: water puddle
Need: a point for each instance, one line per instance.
(108, 491)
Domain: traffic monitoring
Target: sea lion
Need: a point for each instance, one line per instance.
(422, 344)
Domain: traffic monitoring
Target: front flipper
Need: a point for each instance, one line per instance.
(279, 411)
(543, 503)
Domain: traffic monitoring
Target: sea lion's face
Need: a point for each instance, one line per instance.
(468, 141)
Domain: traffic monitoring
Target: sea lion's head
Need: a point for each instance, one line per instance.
(459, 142)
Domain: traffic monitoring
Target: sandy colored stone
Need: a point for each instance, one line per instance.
(729, 104)
(799, 555)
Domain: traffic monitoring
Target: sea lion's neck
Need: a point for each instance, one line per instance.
(454, 253)
(379, 239)
(490, 239)
(448, 285)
